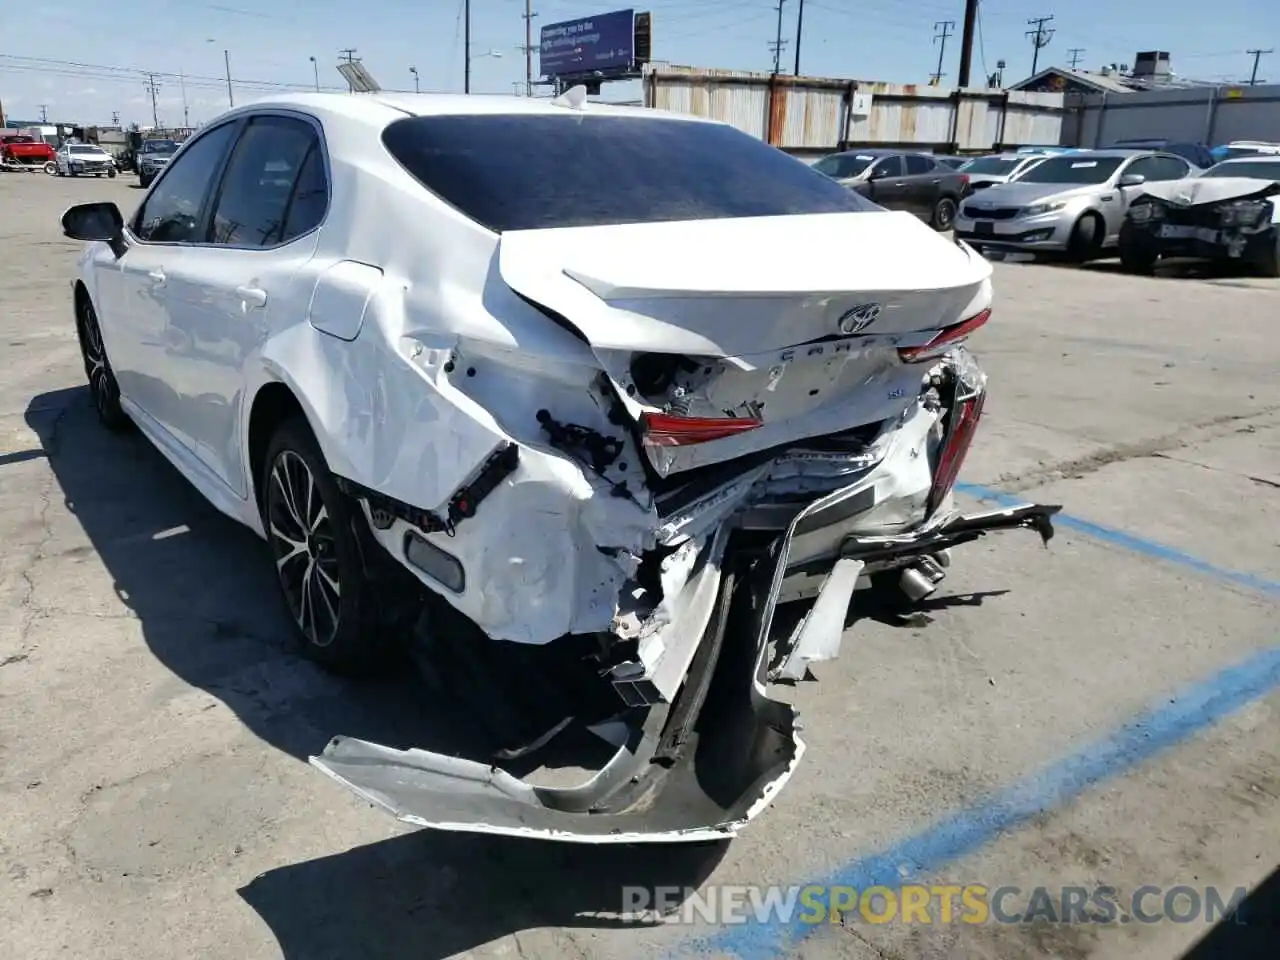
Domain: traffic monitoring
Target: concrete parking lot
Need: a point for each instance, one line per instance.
(1104, 711)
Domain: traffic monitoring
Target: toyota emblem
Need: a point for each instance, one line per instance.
(858, 318)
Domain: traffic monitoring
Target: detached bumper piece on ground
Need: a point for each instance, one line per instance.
(697, 769)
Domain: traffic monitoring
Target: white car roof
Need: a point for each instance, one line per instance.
(379, 109)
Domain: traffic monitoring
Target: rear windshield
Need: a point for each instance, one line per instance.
(1261, 169)
(1072, 168)
(521, 172)
(996, 166)
(841, 165)
(19, 139)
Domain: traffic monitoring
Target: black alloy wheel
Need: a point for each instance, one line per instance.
(97, 368)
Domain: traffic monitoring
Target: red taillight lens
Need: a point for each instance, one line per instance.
(964, 179)
(944, 339)
(665, 430)
(961, 427)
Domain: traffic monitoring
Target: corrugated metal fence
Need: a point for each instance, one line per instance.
(1209, 114)
(811, 114)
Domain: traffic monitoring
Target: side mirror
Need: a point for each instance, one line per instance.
(96, 221)
(1132, 180)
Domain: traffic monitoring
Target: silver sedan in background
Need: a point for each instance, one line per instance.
(1073, 203)
(998, 168)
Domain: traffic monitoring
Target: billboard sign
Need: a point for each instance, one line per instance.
(604, 43)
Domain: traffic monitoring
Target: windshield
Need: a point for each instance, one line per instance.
(1072, 169)
(1261, 169)
(570, 169)
(843, 165)
(996, 166)
(84, 148)
(160, 146)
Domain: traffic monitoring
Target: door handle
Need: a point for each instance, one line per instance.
(252, 295)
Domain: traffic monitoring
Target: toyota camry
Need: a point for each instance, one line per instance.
(605, 415)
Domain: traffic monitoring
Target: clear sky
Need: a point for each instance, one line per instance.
(85, 59)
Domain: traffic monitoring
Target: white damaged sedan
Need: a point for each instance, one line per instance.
(603, 413)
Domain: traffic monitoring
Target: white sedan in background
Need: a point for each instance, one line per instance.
(83, 160)
(569, 398)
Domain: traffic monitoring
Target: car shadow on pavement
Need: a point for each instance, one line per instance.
(429, 895)
(1251, 933)
(203, 591)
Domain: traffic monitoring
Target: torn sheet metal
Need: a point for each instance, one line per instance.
(818, 637)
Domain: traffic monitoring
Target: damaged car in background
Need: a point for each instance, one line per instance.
(605, 414)
(1228, 214)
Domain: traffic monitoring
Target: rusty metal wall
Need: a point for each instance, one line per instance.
(810, 113)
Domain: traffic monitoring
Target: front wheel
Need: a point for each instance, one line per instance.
(1138, 257)
(310, 527)
(1087, 237)
(144, 182)
(111, 174)
(102, 379)
(50, 168)
(944, 214)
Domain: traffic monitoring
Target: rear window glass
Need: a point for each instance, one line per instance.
(996, 166)
(521, 172)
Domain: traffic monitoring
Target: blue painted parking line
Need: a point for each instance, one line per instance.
(1128, 541)
(1189, 712)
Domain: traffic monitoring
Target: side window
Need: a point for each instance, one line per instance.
(1172, 168)
(918, 163)
(254, 200)
(310, 198)
(171, 214)
(1148, 167)
(888, 167)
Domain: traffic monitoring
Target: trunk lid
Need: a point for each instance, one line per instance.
(790, 321)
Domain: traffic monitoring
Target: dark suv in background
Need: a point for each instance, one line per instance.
(1196, 154)
(898, 180)
(153, 156)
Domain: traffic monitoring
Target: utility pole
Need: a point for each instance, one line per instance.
(186, 115)
(1073, 56)
(315, 72)
(1257, 55)
(44, 113)
(152, 89)
(799, 29)
(350, 54)
(966, 42)
(416, 87)
(944, 28)
(115, 118)
(226, 59)
(1040, 37)
(466, 43)
(778, 42)
(528, 47)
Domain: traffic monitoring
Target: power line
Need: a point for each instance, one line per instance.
(106, 72)
(1257, 55)
(1073, 56)
(1039, 37)
(944, 27)
(778, 42)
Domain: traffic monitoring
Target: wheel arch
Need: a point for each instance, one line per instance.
(273, 403)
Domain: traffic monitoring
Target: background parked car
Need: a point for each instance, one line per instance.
(950, 160)
(914, 182)
(998, 168)
(1071, 204)
(1244, 148)
(152, 158)
(74, 159)
(1197, 154)
(1229, 213)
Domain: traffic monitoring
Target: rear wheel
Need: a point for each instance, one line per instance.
(1137, 257)
(102, 380)
(1270, 263)
(310, 527)
(944, 214)
(1086, 238)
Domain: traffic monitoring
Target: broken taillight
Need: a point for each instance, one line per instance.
(944, 339)
(962, 423)
(668, 430)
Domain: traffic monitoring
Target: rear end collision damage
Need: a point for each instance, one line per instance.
(636, 514)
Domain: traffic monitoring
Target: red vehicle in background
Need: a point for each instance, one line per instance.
(20, 149)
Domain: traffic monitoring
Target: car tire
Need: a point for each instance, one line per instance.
(111, 174)
(144, 182)
(311, 529)
(944, 214)
(97, 368)
(1138, 257)
(1269, 266)
(1087, 237)
(50, 167)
